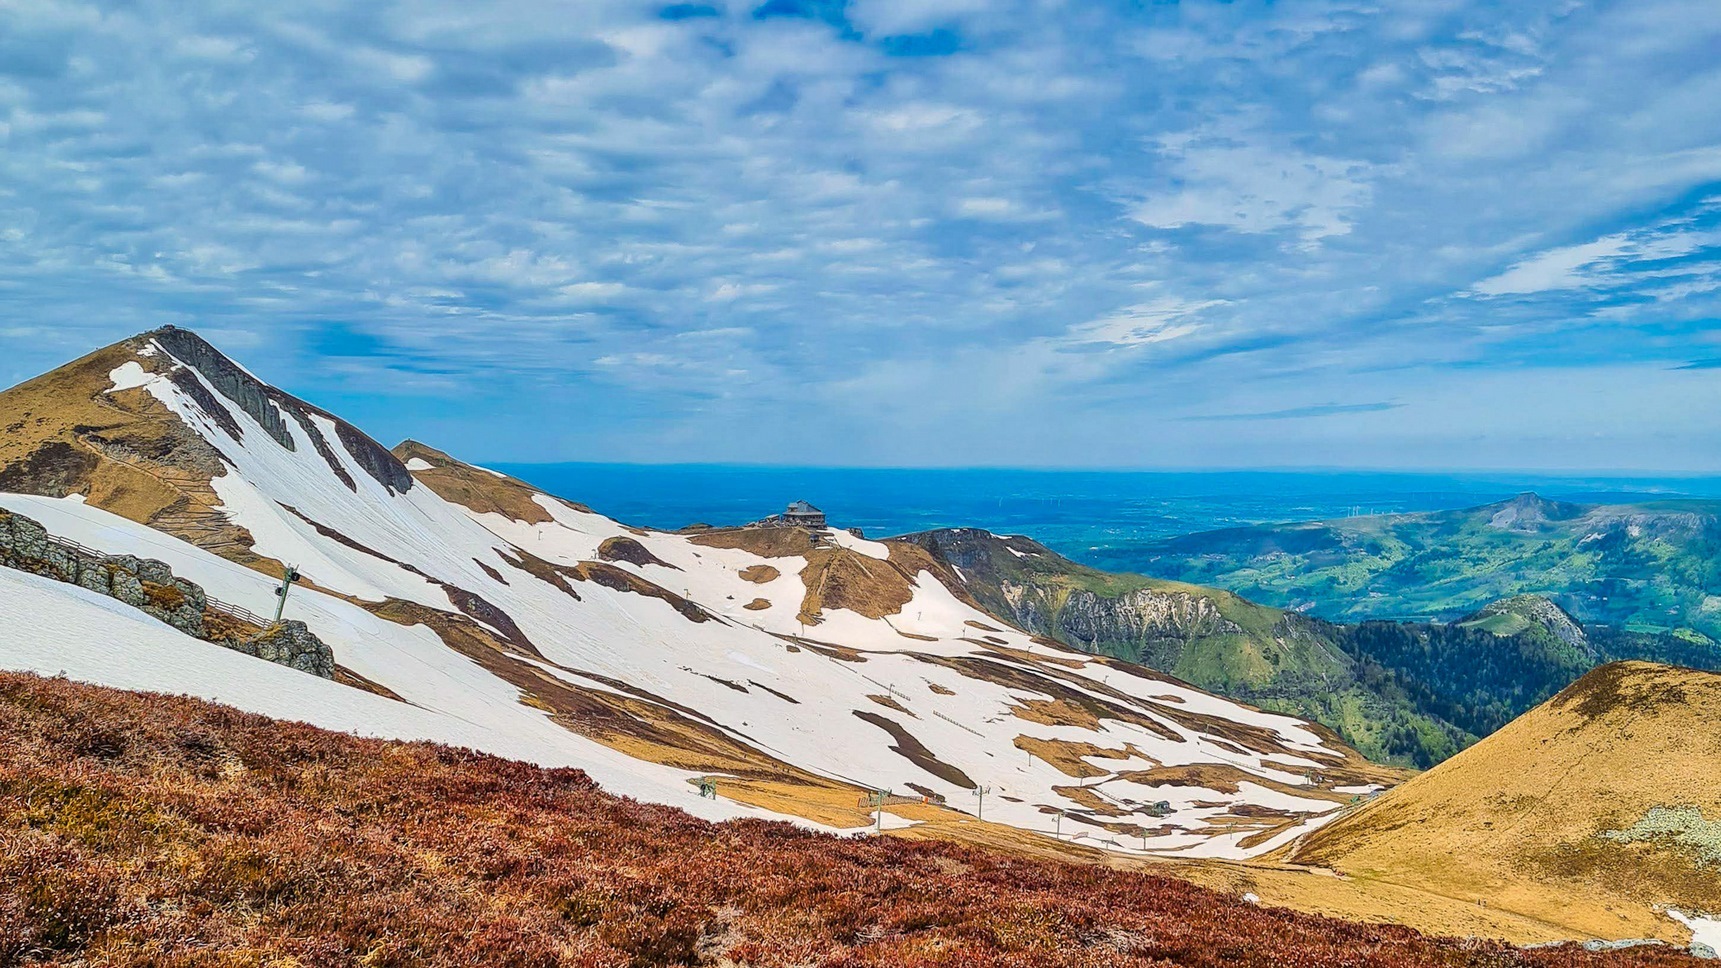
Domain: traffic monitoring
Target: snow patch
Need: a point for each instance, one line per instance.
(129, 376)
(872, 549)
(419, 464)
(1704, 930)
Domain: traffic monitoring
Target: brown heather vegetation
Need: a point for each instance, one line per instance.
(148, 830)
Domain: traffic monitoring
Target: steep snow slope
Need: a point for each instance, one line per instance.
(802, 669)
(126, 649)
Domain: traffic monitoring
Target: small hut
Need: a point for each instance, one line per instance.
(800, 514)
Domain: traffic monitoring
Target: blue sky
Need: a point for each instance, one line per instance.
(897, 232)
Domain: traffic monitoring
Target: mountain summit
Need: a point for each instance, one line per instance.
(775, 670)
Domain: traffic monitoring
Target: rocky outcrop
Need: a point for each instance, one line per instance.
(1146, 619)
(266, 405)
(1142, 615)
(151, 587)
(291, 644)
(142, 583)
(1530, 512)
(246, 391)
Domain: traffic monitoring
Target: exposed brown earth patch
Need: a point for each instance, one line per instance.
(764, 542)
(1066, 757)
(914, 751)
(1054, 712)
(889, 702)
(757, 605)
(630, 551)
(621, 580)
(759, 574)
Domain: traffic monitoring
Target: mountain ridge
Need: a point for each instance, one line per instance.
(796, 670)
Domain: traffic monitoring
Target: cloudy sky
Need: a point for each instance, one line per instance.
(897, 232)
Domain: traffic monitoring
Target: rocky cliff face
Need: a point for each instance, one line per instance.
(1040, 591)
(152, 587)
(1145, 618)
(266, 405)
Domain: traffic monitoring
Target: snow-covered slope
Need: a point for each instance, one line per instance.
(802, 669)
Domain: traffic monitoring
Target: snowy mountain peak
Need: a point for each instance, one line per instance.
(802, 671)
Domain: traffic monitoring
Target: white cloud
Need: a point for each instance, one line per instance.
(1254, 188)
(894, 17)
(1157, 321)
(1605, 261)
(1554, 269)
(504, 196)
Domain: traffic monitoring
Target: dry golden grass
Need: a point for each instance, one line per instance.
(764, 542)
(757, 605)
(1066, 757)
(124, 451)
(759, 574)
(1513, 822)
(1318, 891)
(474, 489)
(1224, 778)
(1054, 712)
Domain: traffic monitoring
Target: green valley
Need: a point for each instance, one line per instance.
(1652, 568)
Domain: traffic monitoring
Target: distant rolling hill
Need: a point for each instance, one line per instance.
(1652, 568)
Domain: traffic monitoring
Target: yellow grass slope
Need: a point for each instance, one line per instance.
(1591, 814)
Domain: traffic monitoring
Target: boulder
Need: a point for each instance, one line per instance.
(96, 580)
(292, 644)
(128, 589)
(29, 540)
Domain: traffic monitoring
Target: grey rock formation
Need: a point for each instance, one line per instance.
(1548, 615)
(291, 644)
(127, 588)
(151, 587)
(1142, 615)
(250, 394)
(267, 406)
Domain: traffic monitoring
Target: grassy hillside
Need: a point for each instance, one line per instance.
(144, 830)
(1598, 810)
(1651, 568)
